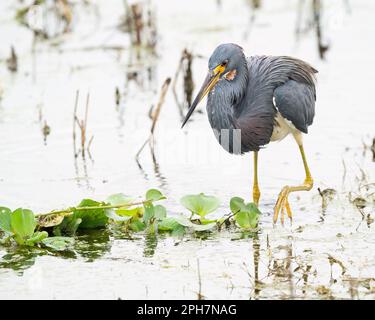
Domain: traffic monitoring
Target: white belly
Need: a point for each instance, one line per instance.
(282, 128)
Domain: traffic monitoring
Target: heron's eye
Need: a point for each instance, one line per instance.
(221, 67)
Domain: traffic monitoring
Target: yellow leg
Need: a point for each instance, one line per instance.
(282, 203)
(256, 191)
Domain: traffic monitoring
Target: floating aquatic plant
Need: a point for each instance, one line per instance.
(55, 230)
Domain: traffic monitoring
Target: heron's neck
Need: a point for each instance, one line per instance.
(226, 95)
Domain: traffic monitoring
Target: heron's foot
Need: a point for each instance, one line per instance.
(282, 205)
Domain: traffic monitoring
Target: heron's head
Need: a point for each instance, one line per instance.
(224, 64)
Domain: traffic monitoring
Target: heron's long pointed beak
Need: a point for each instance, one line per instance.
(207, 85)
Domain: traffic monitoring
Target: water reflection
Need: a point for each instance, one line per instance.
(89, 244)
(256, 257)
(151, 242)
(93, 244)
(19, 259)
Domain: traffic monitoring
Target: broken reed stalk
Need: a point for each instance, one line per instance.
(179, 67)
(82, 124)
(70, 210)
(155, 116)
(317, 8)
(89, 145)
(139, 21)
(156, 113)
(12, 61)
(185, 64)
(137, 15)
(188, 79)
(66, 14)
(74, 123)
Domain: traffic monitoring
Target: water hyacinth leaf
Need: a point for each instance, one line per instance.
(36, 237)
(68, 226)
(58, 243)
(246, 215)
(135, 212)
(237, 204)
(168, 224)
(179, 231)
(149, 213)
(23, 223)
(171, 225)
(247, 220)
(154, 195)
(91, 219)
(207, 221)
(184, 221)
(160, 212)
(137, 225)
(111, 214)
(5, 214)
(121, 214)
(118, 199)
(200, 204)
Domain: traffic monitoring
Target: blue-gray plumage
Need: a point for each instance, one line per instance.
(246, 102)
(296, 103)
(263, 97)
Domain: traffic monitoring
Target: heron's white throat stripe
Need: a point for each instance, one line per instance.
(274, 103)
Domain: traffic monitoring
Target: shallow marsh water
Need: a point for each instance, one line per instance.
(324, 254)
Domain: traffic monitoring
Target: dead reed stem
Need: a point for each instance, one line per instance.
(154, 114)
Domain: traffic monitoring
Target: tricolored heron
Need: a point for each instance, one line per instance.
(253, 101)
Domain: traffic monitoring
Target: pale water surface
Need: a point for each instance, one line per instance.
(323, 254)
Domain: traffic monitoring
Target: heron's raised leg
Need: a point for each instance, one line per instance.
(282, 203)
(256, 191)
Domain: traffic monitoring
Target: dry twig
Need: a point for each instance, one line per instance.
(155, 116)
